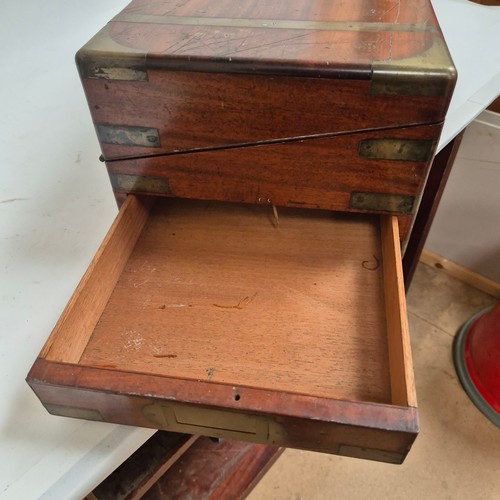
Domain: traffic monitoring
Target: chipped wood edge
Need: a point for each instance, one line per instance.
(80, 316)
(461, 273)
(400, 361)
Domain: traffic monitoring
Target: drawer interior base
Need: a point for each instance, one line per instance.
(225, 293)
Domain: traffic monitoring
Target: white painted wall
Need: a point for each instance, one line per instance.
(466, 228)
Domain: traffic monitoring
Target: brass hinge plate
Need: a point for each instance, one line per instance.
(125, 135)
(382, 202)
(397, 149)
(126, 183)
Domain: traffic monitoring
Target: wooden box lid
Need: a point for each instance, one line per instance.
(396, 44)
(392, 53)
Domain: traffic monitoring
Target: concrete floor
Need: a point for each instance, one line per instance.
(457, 453)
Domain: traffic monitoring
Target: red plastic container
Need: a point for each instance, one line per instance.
(476, 353)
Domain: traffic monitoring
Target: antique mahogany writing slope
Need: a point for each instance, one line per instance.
(268, 159)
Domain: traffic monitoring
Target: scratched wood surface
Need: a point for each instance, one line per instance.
(219, 293)
(361, 31)
(134, 477)
(83, 310)
(215, 470)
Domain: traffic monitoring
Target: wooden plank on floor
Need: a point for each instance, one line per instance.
(462, 273)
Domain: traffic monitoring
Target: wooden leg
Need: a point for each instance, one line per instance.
(208, 470)
(431, 197)
(180, 466)
(134, 477)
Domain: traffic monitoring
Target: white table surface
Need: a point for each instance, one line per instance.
(56, 205)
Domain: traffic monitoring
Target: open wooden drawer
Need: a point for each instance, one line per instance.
(213, 318)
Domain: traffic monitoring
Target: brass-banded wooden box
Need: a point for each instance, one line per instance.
(312, 104)
(268, 158)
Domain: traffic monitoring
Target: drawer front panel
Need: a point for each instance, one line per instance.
(364, 172)
(389, 443)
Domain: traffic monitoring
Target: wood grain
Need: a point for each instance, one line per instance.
(400, 361)
(461, 272)
(319, 424)
(218, 292)
(346, 10)
(205, 310)
(495, 105)
(225, 322)
(216, 110)
(431, 197)
(238, 81)
(77, 322)
(134, 477)
(319, 173)
(229, 469)
(492, 3)
(363, 31)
